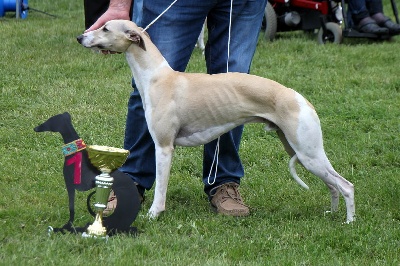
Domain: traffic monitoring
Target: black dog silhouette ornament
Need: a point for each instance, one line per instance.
(79, 174)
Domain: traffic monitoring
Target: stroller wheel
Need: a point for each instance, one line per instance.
(333, 34)
(271, 22)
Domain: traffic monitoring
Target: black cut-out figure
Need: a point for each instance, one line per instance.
(79, 174)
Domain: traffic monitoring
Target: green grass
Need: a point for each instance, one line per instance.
(354, 87)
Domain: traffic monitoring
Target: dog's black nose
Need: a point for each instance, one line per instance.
(79, 38)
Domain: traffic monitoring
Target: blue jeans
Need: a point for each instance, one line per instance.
(175, 34)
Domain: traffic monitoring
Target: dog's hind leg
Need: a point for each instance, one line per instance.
(334, 197)
(321, 167)
(163, 167)
(292, 163)
(307, 143)
(347, 190)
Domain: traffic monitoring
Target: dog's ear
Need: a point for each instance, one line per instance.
(135, 37)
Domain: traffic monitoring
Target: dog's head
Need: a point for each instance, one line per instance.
(114, 36)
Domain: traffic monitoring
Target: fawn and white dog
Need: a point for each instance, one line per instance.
(190, 109)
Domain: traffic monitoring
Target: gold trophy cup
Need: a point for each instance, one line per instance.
(106, 159)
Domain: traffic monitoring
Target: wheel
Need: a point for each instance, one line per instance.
(333, 34)
(271, 22)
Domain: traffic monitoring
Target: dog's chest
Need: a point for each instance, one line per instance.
(189, 137)
(197, 133)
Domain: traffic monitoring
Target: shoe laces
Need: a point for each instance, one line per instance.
(231, 191)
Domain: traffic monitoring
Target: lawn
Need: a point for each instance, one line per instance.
(355, 88)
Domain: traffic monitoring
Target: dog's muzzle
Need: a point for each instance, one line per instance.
(80, 38)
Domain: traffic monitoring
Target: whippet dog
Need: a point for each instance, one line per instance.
(190, 109)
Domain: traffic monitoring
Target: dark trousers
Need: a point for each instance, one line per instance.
(360, 9)
(93, 10)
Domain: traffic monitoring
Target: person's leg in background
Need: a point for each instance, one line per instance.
(375, 8)
(93, 10)
(362, 20)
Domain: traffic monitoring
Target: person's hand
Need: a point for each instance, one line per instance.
(111, 14)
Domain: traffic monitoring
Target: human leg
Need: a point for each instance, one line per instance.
(245, 27)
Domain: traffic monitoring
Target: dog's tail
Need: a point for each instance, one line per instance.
(292, 169)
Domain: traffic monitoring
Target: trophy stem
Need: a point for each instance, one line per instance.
(103, 187)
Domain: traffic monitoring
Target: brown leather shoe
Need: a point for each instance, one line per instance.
(227, 200)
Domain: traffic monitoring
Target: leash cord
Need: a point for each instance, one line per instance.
(229, 37)
(162, 13)
(216, 153)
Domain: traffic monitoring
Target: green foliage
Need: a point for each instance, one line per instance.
(354, 87)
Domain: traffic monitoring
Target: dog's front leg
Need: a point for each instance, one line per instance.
(163, 167)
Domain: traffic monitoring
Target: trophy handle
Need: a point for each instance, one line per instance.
(89, 204)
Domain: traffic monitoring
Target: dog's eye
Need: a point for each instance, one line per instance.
(105, 29)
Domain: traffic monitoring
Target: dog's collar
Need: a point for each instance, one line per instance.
(73, 147)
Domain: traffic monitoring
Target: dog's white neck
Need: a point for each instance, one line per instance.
(146, 65)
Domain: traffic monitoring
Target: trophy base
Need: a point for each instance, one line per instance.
(86, 235)
(97, 229)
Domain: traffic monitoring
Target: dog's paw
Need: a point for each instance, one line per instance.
(350, 220)
(151, 216)
(153, 213)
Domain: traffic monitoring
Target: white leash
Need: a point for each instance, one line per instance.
(159, 16)
(216, 153)
(229, 37)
